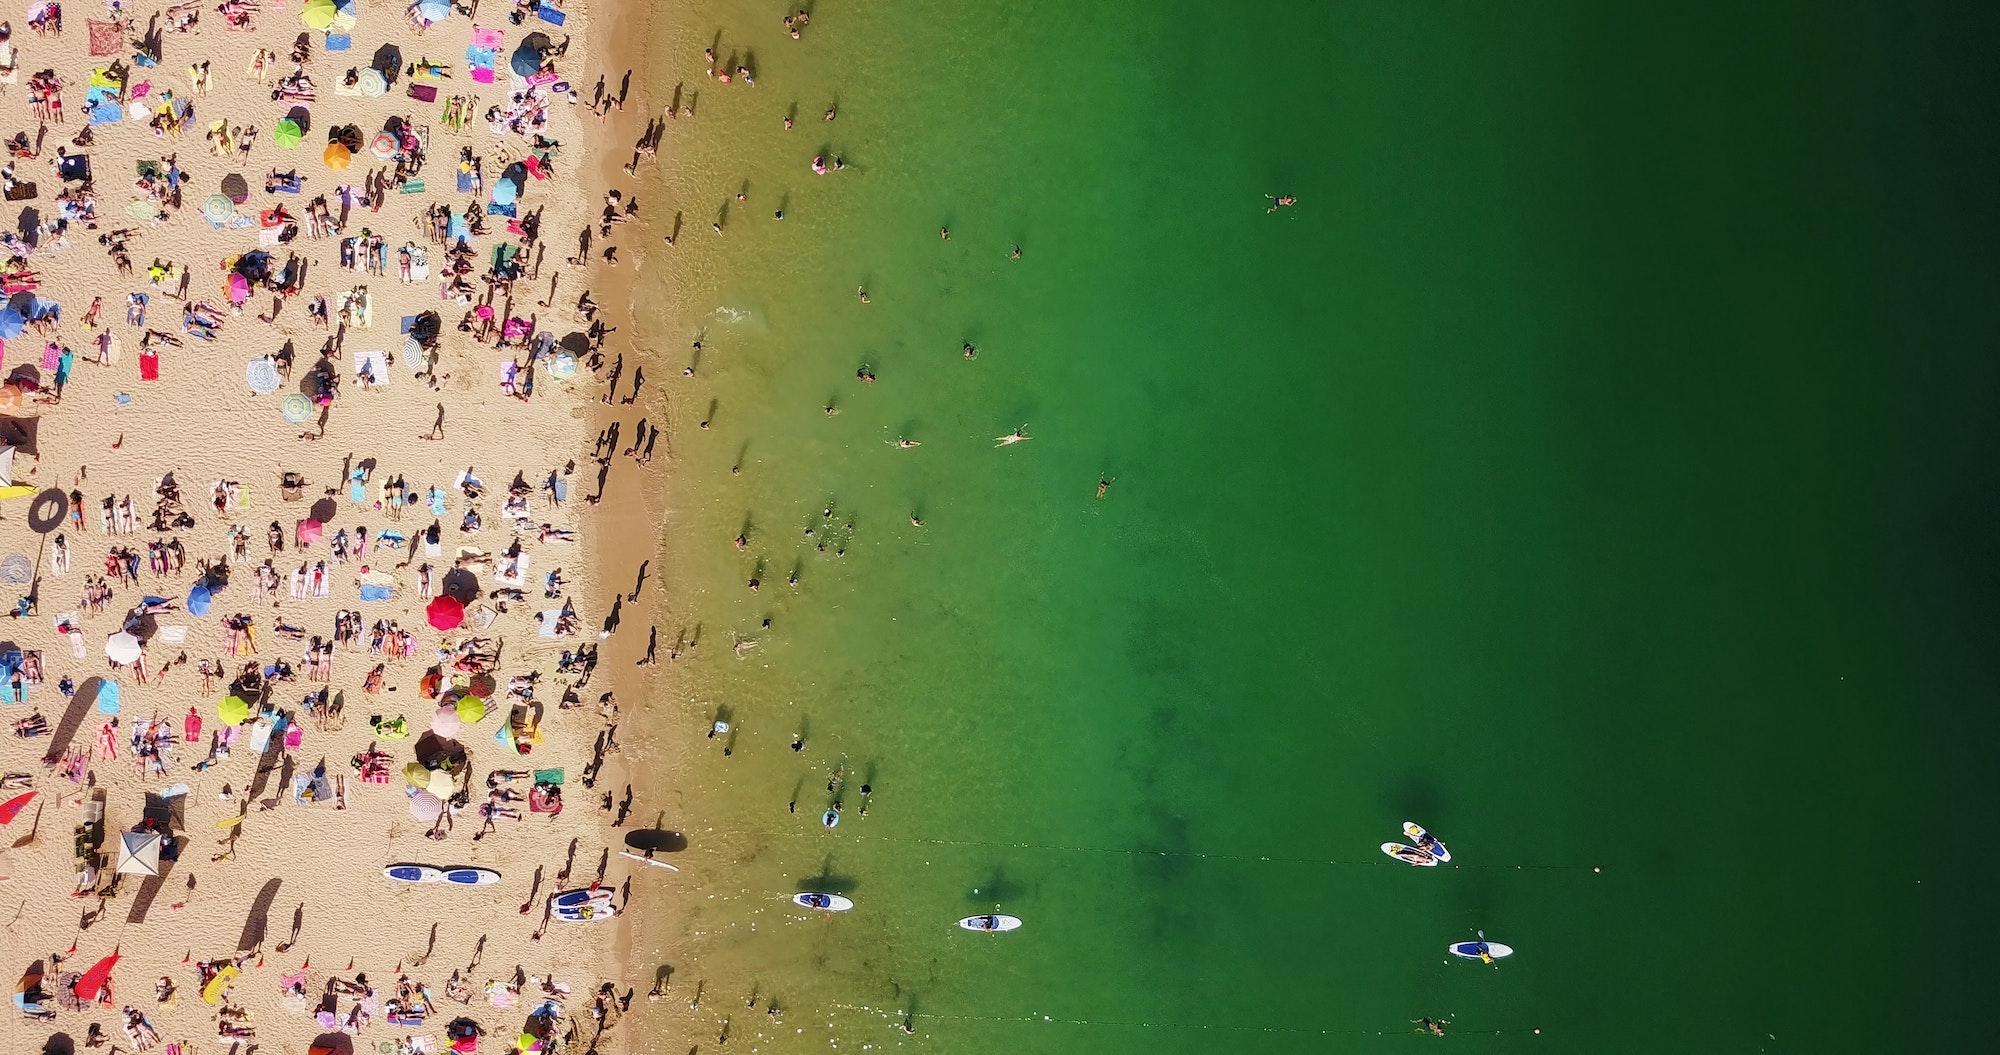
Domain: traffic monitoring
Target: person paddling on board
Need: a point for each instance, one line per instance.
(1485, 951)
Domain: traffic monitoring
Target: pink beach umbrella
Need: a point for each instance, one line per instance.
(445, 612)
(425, 806)
(446, 721)
(239, 289)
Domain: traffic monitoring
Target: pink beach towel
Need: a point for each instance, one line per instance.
(485, 38)
(51, 356)
(482, 75)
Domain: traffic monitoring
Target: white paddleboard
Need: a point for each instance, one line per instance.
(1409, 855)
(413, 873)
(470, 876)
(592, 913)
(1470, 949)
(991, 924)
(822, 902)
(572, 899)
(1416, 834)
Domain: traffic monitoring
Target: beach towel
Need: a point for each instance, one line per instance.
(338, 42)
(423, 93)
(548, 621)
(554, 16)
(106, 38)
(486, 38)
(373, 366)
(149, 366)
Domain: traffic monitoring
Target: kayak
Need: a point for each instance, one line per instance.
(1409, 855)
(991, 924)
(1470, 949)
(822, 902)
(1416, 834)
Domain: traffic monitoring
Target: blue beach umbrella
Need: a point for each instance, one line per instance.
(12, 322)
(433, 10)
(527, 59)
(200, 598)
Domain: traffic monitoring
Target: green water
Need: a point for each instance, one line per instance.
(1596, 466)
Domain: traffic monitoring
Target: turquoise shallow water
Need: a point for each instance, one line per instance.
(1595, 466)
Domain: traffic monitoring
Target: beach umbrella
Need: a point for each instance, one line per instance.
(337, 156)
(343, 14)
(416, 774)
(309, 532)
(287, 133)
(445, 612)
(425, 806)
(139, 854)
(121, 647)
(373, 84)
(433, 10)
(482, 685)
(211, 993)
(318, 14)
(201, 597)
(261, 374)
(442, 784)
(239, 289)
(383, 146)
(470, 708)
(12, 322)
(217, 209)
(12, 807)
(236, 188)
(233, 710)
(28, 994)
(527, 59)
(505, 193)
(93, 980)
(446, 721)
(296, 409)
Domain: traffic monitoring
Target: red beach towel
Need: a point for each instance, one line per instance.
(149, 366)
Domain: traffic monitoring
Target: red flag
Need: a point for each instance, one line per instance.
(95, 978)
(13, 807)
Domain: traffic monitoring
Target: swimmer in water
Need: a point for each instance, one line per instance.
(906, 444)
(862, 292)
(865, 375)
(1016, 254)
(916, 521)
(1019, 435)
(1281, 201)
(970, 351)
(1103, 485)
(944, 234)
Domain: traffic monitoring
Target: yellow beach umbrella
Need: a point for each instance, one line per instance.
(233, 710)
(337, 156)
(318, 14)
(442, 785)
(416, 775)
(471, 708)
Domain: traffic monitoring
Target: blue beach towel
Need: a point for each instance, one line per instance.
(554, 16)
(338, 42)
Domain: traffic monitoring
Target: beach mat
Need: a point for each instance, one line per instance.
(554, 16)
(423, 93)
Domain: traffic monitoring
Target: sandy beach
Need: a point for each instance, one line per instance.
(301, 408)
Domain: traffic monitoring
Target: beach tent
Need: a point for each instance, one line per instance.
(139, 854)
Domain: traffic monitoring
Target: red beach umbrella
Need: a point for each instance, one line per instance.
(12, 807)
(95, 978)
(445, 612)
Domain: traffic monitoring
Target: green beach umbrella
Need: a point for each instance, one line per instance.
(471, 708)
(287, 134)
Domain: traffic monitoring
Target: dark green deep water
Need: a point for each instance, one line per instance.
(1598, 466)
